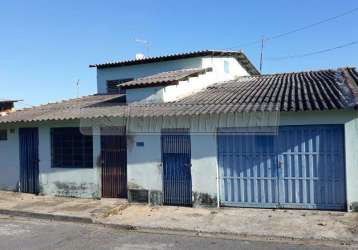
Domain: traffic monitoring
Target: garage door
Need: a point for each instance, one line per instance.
(298, 167)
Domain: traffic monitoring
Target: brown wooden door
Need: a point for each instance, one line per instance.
(114, 162)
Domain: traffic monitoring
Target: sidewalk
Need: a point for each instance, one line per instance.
(83, 210)
(247, 223)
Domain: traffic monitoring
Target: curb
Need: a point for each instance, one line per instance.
(177, 231)
(55, 217)
(228, 235)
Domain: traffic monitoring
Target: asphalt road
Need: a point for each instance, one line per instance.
(20, 233)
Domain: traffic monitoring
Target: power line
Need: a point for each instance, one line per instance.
(313, 24)
(258, 41)
(312, 53)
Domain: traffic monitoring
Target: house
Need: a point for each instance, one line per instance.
(200, 128)
(6, 106)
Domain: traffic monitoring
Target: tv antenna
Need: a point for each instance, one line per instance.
(78, 88)
(146, 45)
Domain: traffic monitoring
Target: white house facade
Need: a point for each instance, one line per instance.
(194, 129)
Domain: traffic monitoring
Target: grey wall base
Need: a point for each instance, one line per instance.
(156, 198)
(204, 200)
(138, 195)
(354, 207)
(152, 197)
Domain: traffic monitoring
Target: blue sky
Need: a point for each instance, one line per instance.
(47, 45)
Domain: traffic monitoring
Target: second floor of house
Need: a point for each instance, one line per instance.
(171, 77)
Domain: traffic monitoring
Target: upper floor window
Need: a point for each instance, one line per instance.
(227, 67)
(3, 134)
(113, 88)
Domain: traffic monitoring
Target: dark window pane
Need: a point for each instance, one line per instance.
(70, 148)
(113, 87)
(3, 134)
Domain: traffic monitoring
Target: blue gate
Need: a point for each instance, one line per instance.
(248, 170)
(312, 167)
(176, 158)
(29, 160)
(300, 167)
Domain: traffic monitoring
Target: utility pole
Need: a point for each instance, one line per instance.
(261, 53)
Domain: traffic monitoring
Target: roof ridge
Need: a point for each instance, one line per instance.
(189, 52)
(298, 72)
(237, 54)
(64, 101)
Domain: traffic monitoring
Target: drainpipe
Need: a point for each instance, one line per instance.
(218, 189)
(217, 173)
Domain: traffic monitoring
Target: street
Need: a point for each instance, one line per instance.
(21, 233)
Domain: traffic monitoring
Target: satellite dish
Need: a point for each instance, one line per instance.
(139, 56)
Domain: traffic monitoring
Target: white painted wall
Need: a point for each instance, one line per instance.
(148, 95)
(351, 144)
(83, 182)
(141, 70)
(204, 147)
(189, 87)
(204, 163)
(144, 170)
(76, 182)
(9, 162)
(195, 84)
(174, 92)
(217, 63)
(144, 163)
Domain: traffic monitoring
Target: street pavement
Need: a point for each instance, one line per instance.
(276, 224)
(24, 233)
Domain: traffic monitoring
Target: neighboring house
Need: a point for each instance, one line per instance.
(6, 106)
(199, 128)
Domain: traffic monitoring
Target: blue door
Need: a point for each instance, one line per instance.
(176, 157)
(29, 160)
(299, 167)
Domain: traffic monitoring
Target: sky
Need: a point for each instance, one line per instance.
(46, 46)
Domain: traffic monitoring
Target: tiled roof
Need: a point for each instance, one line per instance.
(7, 101)
(301, 91)
(298, 91)
(165, 78)
(64, 110)
(239, 55)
